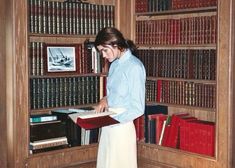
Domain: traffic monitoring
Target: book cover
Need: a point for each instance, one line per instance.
(47, 130)
(90, 119)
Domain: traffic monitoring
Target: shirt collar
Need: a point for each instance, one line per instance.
(125, 56)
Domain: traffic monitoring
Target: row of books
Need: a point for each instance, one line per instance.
(181, 93)
(64, 91)
(180, 63)
(142, 6)
(54, 17)
(180, 131)
(88, 60)
(150, 90)
(190, 30)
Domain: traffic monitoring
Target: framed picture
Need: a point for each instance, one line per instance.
(61, 58)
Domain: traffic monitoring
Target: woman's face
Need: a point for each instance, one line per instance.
(109, 52)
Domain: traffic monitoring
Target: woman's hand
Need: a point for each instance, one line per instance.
(103, 104)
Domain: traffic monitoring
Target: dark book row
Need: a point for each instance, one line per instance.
(150, 90)
(188, 30)
(180, 63)
(54, 17)
(142, 6)
(64, 91)
(186, 93)
(181, 93)
(179, 130)
(87, 60)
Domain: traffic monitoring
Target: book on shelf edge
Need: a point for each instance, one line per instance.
(90, 119)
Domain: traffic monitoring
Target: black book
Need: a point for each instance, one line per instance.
(47, 130)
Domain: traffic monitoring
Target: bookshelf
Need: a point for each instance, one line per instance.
(14, 99)
(161, 32)
(21, 35)
(63, 73)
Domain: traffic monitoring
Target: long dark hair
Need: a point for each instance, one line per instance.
(112, 36)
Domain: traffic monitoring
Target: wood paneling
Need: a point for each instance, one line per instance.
(16, 82)
(124, 22)
(3, 139)
(232, 114)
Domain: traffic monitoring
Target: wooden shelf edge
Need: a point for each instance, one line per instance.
(178, 151)
(64, 157)
(31, 35)
(66, 75)
(183, 106)
(48, 110)
(179, 11)
(182, 79)
(177, 46)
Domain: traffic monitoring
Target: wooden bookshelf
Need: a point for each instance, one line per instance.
(14, 102)
(153, 156)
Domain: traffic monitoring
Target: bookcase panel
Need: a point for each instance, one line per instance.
(54, 29)
(178, 49)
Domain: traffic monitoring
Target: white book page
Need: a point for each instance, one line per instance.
(92, 113)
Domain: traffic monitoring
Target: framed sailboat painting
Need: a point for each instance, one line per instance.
(61, 58)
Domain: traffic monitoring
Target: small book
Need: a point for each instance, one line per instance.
(90, 119)
(42, 118)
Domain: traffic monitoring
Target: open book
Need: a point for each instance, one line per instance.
(90, 119)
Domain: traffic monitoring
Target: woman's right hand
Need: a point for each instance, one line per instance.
(103, 104)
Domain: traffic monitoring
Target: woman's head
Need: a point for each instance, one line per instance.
(111, 36)
(111, 43)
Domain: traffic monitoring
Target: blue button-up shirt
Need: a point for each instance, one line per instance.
(126, 87)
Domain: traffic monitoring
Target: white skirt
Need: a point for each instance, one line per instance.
(117, 147)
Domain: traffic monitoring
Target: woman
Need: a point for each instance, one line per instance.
(126, 91)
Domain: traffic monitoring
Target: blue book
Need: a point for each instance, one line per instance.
(42, 118)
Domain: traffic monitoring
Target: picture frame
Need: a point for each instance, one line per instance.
(61, 58)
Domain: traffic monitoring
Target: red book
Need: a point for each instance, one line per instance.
(96, 122)
(172, 130)
(199, 137)
(139, 126)
(159, 91)
(91, 119)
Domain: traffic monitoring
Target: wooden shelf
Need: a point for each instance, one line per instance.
(48, 110)
(174, 150)
(183, 80)
(178, 46)
(59, 38)
(65, 157)
(58, 75)
(183, 106)
(171, 156)
(179, 11)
